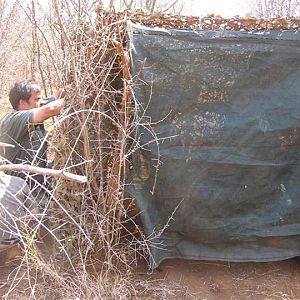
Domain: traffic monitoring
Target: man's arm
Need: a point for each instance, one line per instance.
(47, 111)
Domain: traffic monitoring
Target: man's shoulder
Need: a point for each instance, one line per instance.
(18, 113)
(17, 117)
(15, 125)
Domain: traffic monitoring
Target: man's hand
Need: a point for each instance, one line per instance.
(47, 111)
(61, 93)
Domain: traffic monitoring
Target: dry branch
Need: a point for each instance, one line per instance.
(212, 22)
(44, 171)
(119, 163)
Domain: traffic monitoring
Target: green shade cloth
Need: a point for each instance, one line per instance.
(220, 162)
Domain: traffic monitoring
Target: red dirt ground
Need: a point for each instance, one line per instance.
(234, 281)
(179, 279)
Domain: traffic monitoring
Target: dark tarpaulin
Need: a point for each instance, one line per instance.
(223, 171)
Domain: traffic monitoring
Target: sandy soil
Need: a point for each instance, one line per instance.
(185, 279)
(11, 258)
(234, 281)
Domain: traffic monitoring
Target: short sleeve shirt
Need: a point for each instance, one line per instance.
(27, 138)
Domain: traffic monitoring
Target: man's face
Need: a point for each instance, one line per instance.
(33, 102)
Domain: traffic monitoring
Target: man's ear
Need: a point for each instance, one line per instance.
(22, 104)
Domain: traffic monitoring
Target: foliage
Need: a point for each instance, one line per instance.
(150, 6)
(274, 8)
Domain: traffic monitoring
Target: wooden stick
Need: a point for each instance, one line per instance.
(44, 171)
(118, 165)
(6, 145)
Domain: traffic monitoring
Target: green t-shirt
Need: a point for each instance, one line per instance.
(27, 138)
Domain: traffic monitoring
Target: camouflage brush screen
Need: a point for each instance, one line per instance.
(217, 176)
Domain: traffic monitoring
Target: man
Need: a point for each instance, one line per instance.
(24, 128)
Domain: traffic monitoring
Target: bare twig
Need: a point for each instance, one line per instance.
(44, 171)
